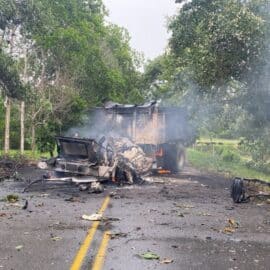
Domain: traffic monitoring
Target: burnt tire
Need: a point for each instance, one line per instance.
(238, 190)
(174, 158)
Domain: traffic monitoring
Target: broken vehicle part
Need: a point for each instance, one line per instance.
(242, 189)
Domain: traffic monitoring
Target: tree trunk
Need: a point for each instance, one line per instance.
(22, 109)
(7, 126)
(33, 143)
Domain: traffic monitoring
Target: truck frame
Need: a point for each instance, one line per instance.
(162, 132)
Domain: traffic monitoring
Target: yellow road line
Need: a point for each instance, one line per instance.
(77, 263)
(100, 257)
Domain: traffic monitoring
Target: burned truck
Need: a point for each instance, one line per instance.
(162, 132)
(124, 143)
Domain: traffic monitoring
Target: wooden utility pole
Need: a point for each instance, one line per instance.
(7, 125)
(22, 111)
(22, 105)
(7, 103)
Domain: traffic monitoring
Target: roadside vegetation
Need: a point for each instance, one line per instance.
(225, 157)
(28, 155)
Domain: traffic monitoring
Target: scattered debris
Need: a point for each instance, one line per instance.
(20, 247)
(149, 256)
(113, 194)
(73, 199)
(229, 207)
(43, 195)
(204, 214)
(111, 219)
(3, 214)
(166, 261)
(12, 198)
(230, 228)
(97, 187)
(94, 217)
(9, 167)
(117, 235)
(56, 238)
(25, 205)
(41, 204)
(18, 205)
(83, 187)
(185, 206)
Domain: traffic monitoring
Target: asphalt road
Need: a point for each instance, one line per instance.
(181, 219)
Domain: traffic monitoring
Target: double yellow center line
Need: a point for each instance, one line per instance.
(98, 263)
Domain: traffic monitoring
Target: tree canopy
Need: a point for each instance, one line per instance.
(217, 65)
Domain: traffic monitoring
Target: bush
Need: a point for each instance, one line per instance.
(230, 156)
(259, 166)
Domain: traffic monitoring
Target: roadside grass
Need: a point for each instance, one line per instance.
(28, 154)
(218, 141)
(226, 160)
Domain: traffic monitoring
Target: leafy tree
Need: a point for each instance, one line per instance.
(70, 59)
(219, 69)
(10, 83)
(219, 40)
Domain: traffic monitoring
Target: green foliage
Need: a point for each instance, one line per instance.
(230, 156)
(207, 161)
(218, 40)
(9, 78)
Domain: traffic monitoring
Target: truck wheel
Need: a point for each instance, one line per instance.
(175, 157)
(181, 159)
(238, 190)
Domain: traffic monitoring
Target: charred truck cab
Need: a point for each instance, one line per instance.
(77, 156)
(162, 132)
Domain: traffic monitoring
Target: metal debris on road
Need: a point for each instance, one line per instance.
(25, 205)
(96, 187)
(73, 199)
(166, 261)
(56, 238)
(83, 187)
(20, 247)
(117, 235)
